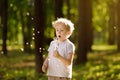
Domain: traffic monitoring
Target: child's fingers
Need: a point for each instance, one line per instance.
(43, 68)
(56, 54)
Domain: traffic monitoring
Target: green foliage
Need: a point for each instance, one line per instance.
(50, 32)
(100, 20)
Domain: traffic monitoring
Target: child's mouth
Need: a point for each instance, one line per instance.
(59, 36)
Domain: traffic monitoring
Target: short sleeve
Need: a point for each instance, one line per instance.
(71, 48)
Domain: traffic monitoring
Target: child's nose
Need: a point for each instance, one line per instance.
(59, 32)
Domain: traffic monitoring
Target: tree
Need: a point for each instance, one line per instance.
(1, 7)
(112, 23)
(68, 8)
(26, 23)
(85, 30)
(29, 26)
(4, 25)
(58, 8)
(118, 25)
(39, 34)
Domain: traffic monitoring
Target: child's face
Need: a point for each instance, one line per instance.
(61, 32)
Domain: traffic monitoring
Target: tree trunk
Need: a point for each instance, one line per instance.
(118, 25)
(4, 26)
(111, 29)
(39, 34)
(68, 8)
(85, 30)
(29, 32)
(26, 31)
(1, 7)
(23, 28)
(58, 8)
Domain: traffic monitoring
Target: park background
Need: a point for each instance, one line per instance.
(26, 32)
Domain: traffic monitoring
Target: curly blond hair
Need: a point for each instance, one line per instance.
(65, 22)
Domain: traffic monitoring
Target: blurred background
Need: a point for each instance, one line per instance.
(26, 32)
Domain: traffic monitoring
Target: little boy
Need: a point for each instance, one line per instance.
(61, 52)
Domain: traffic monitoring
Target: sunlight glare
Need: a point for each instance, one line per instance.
(11, 4)
(114, 27)
(2, 52)
(32, 18)
(43, 49)
(33, 38)
(27, 13)
(33, 34)
(33, 29)
(44, 56)
(22, 49)
(20, 28)
(31, 45)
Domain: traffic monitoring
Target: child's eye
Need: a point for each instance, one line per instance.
(57, 30)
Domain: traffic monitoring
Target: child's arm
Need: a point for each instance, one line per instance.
(67, 61)
(45, 64)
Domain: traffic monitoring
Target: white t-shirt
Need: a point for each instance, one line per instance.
(55, 66)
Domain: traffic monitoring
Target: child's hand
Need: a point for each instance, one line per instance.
(56, 54)
(44, 67)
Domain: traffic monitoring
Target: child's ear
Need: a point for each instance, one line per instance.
(69, 32)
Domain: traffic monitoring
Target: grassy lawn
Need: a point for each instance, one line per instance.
(101, 65)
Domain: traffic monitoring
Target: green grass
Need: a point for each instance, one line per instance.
(103, 64)
(100, 66)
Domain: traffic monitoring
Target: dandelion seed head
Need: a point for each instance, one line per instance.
(27, 43)
(38, 32)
